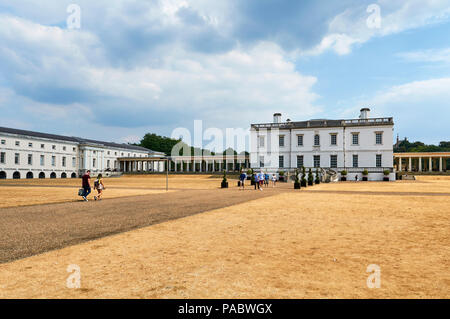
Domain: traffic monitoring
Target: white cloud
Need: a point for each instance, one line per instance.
(429, 56)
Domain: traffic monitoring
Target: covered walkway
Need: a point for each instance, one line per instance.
(421, 162)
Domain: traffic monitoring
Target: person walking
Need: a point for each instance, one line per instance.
(260, 180)
(242, 179)
(274, 180)
(99, 186)
(86, 185)
(266, 179)
(256, 180)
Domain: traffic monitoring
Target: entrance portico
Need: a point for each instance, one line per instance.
(421, 162)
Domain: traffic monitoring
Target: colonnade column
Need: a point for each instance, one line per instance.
(430, 168)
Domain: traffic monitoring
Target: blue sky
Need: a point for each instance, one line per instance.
(152, 66)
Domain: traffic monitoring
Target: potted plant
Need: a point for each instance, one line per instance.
(343, 175)
(281, 173)
(317, 181)
(303, 182)
(365, 174)
(224, 183)
(297, 184)
(386, 173)
(310, 178)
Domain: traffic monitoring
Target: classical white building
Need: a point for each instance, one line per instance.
(27, 154)
(352, 145)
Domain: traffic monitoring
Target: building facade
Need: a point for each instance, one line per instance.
(27, 154)
(352, 145)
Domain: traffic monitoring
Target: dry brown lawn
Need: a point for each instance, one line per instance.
(290, 245)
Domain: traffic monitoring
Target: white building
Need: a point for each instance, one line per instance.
(27, 154)
(351, 145)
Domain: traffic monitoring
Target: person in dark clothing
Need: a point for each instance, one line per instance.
(86, 185)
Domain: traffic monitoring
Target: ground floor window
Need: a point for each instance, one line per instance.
(261, 161)
(355, 161)
(333, 161)
(281, 161)
(379, 160)
(300, 161)
(316, 160)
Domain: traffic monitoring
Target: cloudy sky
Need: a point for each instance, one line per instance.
(151, 66)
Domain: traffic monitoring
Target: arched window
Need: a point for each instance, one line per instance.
(16, 175)
(63, 175)
(53, 175)
(2, 175)
(74, 175)
(316, 140)
(30, 175)
(41, 175)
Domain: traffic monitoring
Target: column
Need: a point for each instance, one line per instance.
(213, 166)
(430, 161)
(399, 168)
(440, 164)
(410, 165)
(420, 164)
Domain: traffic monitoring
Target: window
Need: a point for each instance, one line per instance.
(74, 149)
(300, 161)
(355, 138)
(379, 160)
(261, 161)
(3, 142)
(333, 139)
(316, 160)
(300, 140)
(30, 144)
(17, 143)
(94, 162)
(2, 157)
(316, 140)
(115, 153)
(355, 161)
(281, 161)
(379, 138)
(107, 163)
(261, 141)
(30, 159)
(42, 146)
(333, 161)
(17, 158)
(64, 148)
(53, 160)
(64, 161)
(281, 140)
(53, 147)
(109, 152)
(74, 161)
(42, 160)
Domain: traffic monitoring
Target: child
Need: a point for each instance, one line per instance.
(99, 186)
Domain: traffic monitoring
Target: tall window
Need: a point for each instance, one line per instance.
(30, 159)
(53, 160)
(281, 140)
(53, 147)
(378, 138)
(261, 141)
(17, 158)
(333, 161)
(74, 161)
(281, 161)
(333, 139)
(299, 140)
(42, 145)
(107, 163)
(355, 161)
(64, 148)
(42, 160)
(316, 160)
(379, 160)
(261, 161)
(64, 161)
(94, 162)
(316, 140)
(300, 161)
(355, 138)
(2, 157)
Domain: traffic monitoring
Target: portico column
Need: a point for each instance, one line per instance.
(440, 164)
(420, 164)
(399, 168)
(430, 168)
(410, 165)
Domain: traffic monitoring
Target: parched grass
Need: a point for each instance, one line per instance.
(290, 245)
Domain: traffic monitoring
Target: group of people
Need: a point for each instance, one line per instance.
(86, 185)
(260, 179)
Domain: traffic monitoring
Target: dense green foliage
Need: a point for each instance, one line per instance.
(406, 146)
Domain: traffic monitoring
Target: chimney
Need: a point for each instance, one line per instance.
(277, 118)
(364, 113)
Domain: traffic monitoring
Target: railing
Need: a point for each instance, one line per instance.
(327, 123)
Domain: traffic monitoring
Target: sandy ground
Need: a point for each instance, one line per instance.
(289, 245)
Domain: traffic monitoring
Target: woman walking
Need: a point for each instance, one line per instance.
(99, 186)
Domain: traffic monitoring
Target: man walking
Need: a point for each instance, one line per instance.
(86, 184)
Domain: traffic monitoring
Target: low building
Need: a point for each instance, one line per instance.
(353, 145)
(27, 154)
